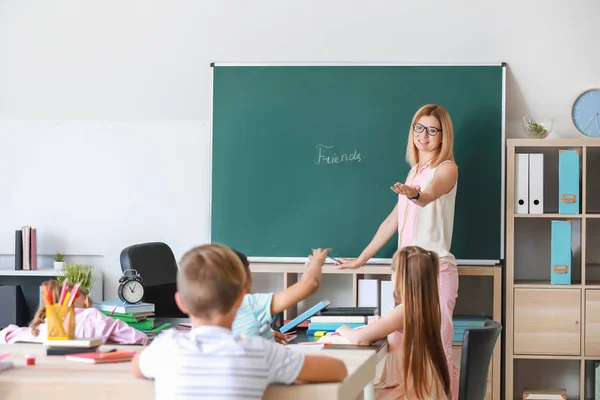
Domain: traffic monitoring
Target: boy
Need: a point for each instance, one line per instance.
(256, 312)
(208, 361)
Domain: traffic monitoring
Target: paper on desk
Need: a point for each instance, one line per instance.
(316, 346)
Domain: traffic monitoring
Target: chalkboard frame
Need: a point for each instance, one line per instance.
(373, 261)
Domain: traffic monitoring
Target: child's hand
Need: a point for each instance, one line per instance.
(280, 337)
(318, 256)
(347, 332)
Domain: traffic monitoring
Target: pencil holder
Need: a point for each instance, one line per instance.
(61, 322)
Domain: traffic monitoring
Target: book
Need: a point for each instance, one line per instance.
(81, 343)
(354, 311)
(61, 351)
(339, 319)
(102, 358)
(18, 250)
(132, 317)
(144, 325)
(305, 315)
(124, 308)
(335, 338)
(317, 326)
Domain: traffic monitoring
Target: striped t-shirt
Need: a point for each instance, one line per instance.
(254, 317)
(210, 363)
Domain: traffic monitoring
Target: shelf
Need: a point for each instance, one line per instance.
(299, 268)
(592, 215)
(545, 357)
(39, 272)
(561, 216)
(552, 143)
(544, 285)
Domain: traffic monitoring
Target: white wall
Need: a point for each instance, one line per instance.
(110, 99)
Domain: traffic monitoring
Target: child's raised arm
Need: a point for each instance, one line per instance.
(392, 321)
(307, 285)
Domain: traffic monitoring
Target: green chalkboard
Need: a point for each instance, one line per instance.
(304, 156)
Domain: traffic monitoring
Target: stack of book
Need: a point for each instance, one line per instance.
(26, 249)
(462, 323)
(139, 316)
(331, 318)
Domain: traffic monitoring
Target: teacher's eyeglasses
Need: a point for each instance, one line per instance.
(431, 130)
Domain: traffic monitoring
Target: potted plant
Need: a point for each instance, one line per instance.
(536, 129)
(78, 273)
(59, 261)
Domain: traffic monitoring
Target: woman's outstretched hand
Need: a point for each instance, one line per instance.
(348, 263)
(405, 190)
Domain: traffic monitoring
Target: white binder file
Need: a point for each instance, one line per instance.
(368, 293)
(536, 183)
(387, 297)
(522, 183)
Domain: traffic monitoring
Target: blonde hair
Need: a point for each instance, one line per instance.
(416, 275)
(445, 151)
(210, 280)
(54, 288)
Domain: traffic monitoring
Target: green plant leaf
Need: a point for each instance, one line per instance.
(78, 273)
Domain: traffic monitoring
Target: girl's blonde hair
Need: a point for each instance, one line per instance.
(416, 275)
(445, 151)
(54, 288)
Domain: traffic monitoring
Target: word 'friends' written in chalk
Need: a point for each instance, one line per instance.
(327, 155)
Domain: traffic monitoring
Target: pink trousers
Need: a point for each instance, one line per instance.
(448, 290)
(390, 385)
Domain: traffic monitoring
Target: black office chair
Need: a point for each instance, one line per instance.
(478, 346)
(157, 266)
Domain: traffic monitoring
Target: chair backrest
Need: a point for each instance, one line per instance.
(157, 266)
(478, 346)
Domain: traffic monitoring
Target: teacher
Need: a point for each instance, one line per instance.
(424, 214)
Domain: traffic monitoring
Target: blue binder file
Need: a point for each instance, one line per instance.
(560, 259)
(568, 182)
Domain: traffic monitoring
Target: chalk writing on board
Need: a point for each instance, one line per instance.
(327, 155)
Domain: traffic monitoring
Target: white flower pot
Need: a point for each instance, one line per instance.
(58, 265)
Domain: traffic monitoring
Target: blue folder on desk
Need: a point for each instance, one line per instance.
(304, 316)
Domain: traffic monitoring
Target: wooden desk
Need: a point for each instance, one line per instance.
(379, 347)
(54, 377)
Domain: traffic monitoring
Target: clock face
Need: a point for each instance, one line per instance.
(133, 291)
(586, 113)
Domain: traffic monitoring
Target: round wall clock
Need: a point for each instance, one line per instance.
(585, 113)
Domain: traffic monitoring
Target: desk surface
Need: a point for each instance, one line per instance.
(59, 378)
(379, 347)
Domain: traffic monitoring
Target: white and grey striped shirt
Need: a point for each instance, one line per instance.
(210, 363)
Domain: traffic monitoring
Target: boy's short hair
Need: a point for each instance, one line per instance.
(210, 279)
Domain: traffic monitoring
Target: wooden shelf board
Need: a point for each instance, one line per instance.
(583, 142)
(544, 285)
(293, 268)
(550, 215)
(39, 272)
(545, 357)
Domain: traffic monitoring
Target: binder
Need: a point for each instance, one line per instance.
(368, 293)
(521, 183)
(568, 182)
(387, 297)
(536, 183)
(560, 257)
